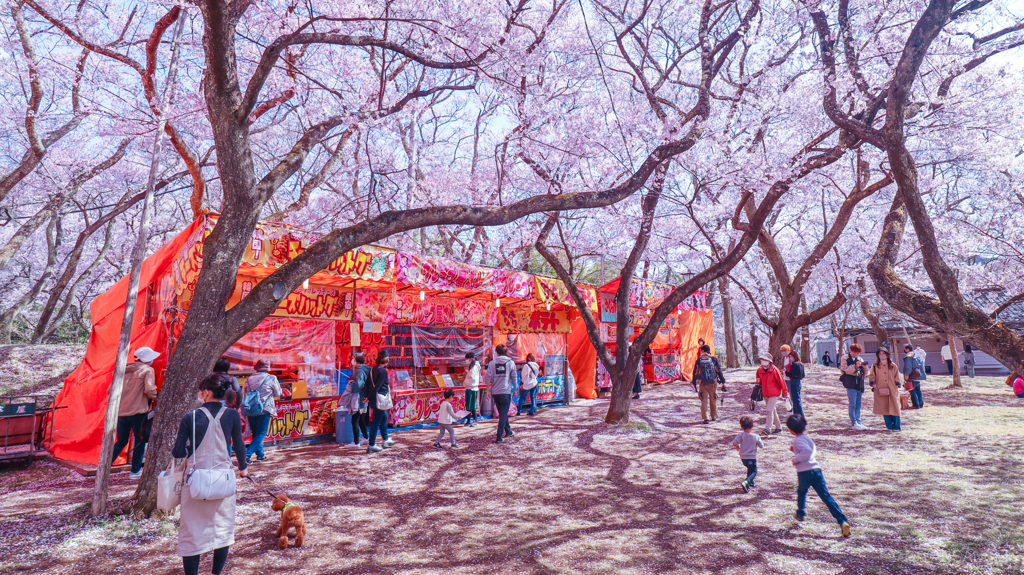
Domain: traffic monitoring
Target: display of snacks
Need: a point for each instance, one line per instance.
(321, 420)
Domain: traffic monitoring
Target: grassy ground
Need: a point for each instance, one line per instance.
(570, 495)
(37, 369)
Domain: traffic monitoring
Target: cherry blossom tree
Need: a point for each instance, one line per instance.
(898, 89)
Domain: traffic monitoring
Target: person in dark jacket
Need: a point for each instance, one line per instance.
(910, 363)
(638, 383)
(826, 360)
(208, 525)
(854, 369)
(378, 384)
(233, 396)
(794, 377)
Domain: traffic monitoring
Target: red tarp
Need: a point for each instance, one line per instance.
(78, 430)
(583, 360)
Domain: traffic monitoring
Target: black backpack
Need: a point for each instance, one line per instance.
(706, 369)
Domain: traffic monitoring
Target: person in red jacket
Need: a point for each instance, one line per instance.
(772, 386)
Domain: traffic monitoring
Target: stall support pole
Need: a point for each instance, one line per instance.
(99, 495)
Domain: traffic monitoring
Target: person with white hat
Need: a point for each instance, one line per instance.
(137, 393)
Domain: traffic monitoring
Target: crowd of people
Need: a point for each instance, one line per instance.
(207, 435)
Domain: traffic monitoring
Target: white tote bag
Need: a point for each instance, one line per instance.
(168, 487)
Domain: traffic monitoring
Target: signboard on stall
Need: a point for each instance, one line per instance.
(436, 273)
(522, 320)
(550, 389)
(317, 302)
(550, 290)
(385, 307)
(422, 407)
(273, 246)
(299, 418)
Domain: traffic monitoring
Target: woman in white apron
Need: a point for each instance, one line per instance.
(208, 525)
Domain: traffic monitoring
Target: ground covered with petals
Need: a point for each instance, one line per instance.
(569, 494)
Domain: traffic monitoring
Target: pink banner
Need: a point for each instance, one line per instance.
(423, 406)
(437, 273)
(408, 308)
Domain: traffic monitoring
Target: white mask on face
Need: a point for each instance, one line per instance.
(765, 363)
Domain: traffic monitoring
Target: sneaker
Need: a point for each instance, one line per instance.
(456, 446)
(859, 427)
(846, 528)
(637, 396)
(135, 475)
(798, 517)
(353, 445)
(766, 432)
(248, 460)
(473, 424)
(509, 434)
(439, 446)
(777, 431)
(264, 458)
(499, 440)
(745, 486)
(388, 442)
(706, 421)
(374, 449)
(364, 441)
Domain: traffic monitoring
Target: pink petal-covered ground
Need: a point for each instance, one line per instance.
(571, 495)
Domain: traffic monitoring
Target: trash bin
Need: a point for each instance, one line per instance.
(342, 426)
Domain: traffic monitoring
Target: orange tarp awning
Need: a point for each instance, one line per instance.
(78, 429)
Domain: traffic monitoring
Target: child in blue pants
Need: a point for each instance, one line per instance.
(809, 475)
(747, 443)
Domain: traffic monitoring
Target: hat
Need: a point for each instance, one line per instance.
(262, 365)
(882, 348)
(765, 357)
(146, 354)
(383, 354)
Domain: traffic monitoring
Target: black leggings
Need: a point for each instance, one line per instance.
(220, 557)
(360, 423)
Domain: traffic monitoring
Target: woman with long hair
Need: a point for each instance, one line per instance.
(885, 381)
(205, 437)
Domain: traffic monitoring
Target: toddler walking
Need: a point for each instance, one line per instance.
(747, 443)
(808, 473)
(445, 418)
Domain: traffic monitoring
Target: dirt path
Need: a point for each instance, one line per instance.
(570, 495)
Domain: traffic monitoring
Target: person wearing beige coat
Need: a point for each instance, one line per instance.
(885, 380)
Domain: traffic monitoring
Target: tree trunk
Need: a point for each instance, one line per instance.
(957, 382)
(732, 359)
(805, 334)
(754, 353)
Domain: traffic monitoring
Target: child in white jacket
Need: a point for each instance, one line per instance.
(445, 419)
(809, 475)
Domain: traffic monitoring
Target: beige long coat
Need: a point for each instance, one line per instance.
(886, 377)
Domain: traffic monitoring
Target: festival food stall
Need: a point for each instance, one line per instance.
(671, 355)
(426, 311)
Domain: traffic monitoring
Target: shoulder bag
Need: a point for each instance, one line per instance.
(384, 401)
(207, 484)
(533, 382)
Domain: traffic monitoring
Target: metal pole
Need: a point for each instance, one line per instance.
(99, 496)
